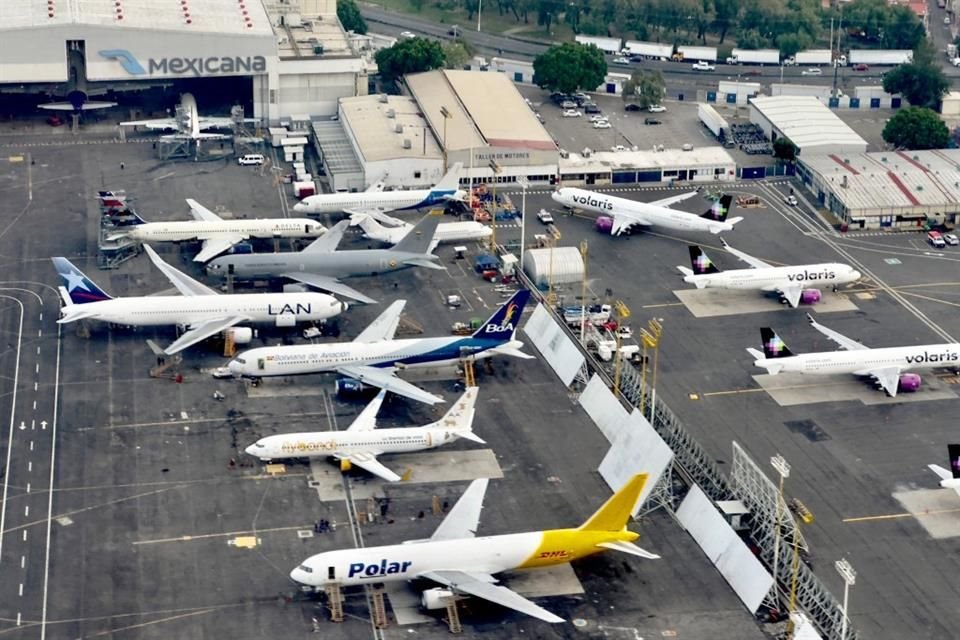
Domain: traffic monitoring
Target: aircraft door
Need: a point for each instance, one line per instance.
(331, 573)
(261, 364)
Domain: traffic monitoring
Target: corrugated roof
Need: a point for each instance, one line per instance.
(637, 160)
(210, 16)
(807, 122)
(375, 130)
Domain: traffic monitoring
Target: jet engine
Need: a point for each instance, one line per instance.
(810, 296)
(909, 382)
(435, 598)
(240, 335)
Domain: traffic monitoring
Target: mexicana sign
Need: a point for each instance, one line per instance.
(197, 66)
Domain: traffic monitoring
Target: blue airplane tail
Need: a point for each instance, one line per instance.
(79, 287)
(504, 322)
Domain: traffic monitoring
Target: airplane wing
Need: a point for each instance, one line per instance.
(327, 243)
(672, 200)
(212, 247)
(888, 377)
(385, 379)
(482, 585)
(621, 222)
(161, 124)
(791, 293)
(367, 420)
(185, 284)
(377, 214)
(839, 338)
(368, 461)
(200, 212)
(202, 332)
(385, 326)
(209, 122)
(463, 519)
(87, 105)
(328, 284)
(756, 263)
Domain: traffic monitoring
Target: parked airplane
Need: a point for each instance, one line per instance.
(376, 203)
(218, 235)
(949, 479)
(446, 231)
(463, 563)
(192, 126)
(626, 213)
(790, 282)
(362, 442)
(374, 357)
(320, 265)
(885, 365)
(200, 310)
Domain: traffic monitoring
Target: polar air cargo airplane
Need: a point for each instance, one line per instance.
(796, 285)
(374, 356)
(200, 309)
(626, 213)
(446, 231)
(362, 442)
(465, 564)
(377, 203)
(949, 479)
(193, 125)
(218, 235)
(885, 365)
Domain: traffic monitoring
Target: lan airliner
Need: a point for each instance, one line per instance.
(200, 310)
(465, 564)
(795, 284)
(626, 213)
(362, 442)
(374, 357)
(885, 365)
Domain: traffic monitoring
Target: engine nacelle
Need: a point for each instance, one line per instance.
(349, 387)
(604, 224)
(345, 465)
(810, 296)
(909, 382)
(240, 335)
(435, 598)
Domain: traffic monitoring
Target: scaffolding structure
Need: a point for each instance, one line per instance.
(116, 214)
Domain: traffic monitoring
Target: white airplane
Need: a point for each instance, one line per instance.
(885, 365)
(446, 231)
(949, 479)
(192, 127)
(378, 203)
(626, 213)
(360, 444)
(200, 310)
(790, 282)
(218, 235)
(465, 564)
(374, 357)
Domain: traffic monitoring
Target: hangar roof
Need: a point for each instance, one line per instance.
(891, 179)
(807, 122)
(196, 16)
(701, 157)
(373, 121)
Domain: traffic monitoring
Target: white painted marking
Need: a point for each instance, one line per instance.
(36, 369)
(31, 445)
(24, 535)
(39, 333)
(41, 315)
(38, 350)
(18, 618)
(23, 561)
(33, 425)
(28, 487)
(21, 589)
(34, 405)
(53, 468)
(26, 511)
(30, 465)
(43, 425)
(35, 386)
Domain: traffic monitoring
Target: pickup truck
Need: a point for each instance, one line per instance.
(597, 314)
(545, 216)
(703, 66)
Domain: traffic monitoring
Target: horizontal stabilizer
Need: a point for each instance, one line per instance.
(685, 270)
(512, 351)
(755, 353)
(470, 435)
(940, 471)
(424, 262)
(629, 547)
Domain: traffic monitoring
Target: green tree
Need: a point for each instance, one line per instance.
(790, 43)
(410, 55)
(916, 128)
(784, 149)
(456, 54)
(570, 66)
(903, 29)
(921, 82)
(350, 18)
(644, 88)
(726, 13)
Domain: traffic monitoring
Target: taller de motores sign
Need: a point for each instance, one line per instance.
(198, 66)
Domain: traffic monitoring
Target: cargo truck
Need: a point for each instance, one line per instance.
(810, 57)
(713, 120)
(754, 56)
(708, 54)
(596, 314)
(653, 50)
(880, 57)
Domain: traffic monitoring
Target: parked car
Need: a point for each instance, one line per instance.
(751, 72)
(621, 60)
(545, 216)
(407, 34)
(951, 239)
(589, 107)
(703, 66)
(597, 117)
(601, 124)
(632, 107)
(568, 104)
(812, 72)
(571, 113)
(860, 67)
(651, 121)
(936, 239)
(656, 108)
(791, 200)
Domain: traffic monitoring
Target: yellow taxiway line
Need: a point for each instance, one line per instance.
(894, 516)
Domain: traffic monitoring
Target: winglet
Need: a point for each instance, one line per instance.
(615, 512)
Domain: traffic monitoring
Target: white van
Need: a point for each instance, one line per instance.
(251, 159)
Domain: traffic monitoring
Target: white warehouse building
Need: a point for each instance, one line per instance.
(807, 122)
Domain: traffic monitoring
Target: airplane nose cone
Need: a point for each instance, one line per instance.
(299, 576)
(300, 207)
(235, 368)
(855, 275)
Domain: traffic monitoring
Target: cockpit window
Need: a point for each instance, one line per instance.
(305, 568)
(258, 445)
(241, 361)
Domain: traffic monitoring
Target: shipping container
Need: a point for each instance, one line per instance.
(755, 56)
(561, 265)
(813, 57)
(713, 120)
(648, 49)
(708, 54)
(607, 45)
(880, 56)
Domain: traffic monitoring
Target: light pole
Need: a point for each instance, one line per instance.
(479, 13)
(783, 469)
(446, 115)
(496, 168)
(524, 184)
(849, 577)
(656, 329)
(584, 250)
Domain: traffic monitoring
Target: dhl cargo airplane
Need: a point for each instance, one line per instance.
(463, 563)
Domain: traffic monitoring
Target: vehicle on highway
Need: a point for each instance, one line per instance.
(951, 239)
(407, 34)
(597, 117)
(751, 72)
(651, 121)
(601, 124)
(791, 200)
(621, 60)
(454, 31)
(812, 72)
(860, 67)
(702, 66)
(571, 113)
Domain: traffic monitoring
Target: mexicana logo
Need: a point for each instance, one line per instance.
(805, 276)
(198, 66)
(130, 64)
(926, 356)
(376, 570)
(592, 202)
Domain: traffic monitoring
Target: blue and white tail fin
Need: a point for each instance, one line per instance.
(450, 182)
(503, 324)
(79, 288)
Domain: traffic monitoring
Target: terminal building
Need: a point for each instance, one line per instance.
(286, 57)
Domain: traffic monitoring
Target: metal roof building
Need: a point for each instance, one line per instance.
(807, 122)
(701, 165)
(886, 188)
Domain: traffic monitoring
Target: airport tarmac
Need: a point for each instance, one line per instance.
(852, 454)
(158, 525)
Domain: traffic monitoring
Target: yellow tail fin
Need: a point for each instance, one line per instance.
(615, 512)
